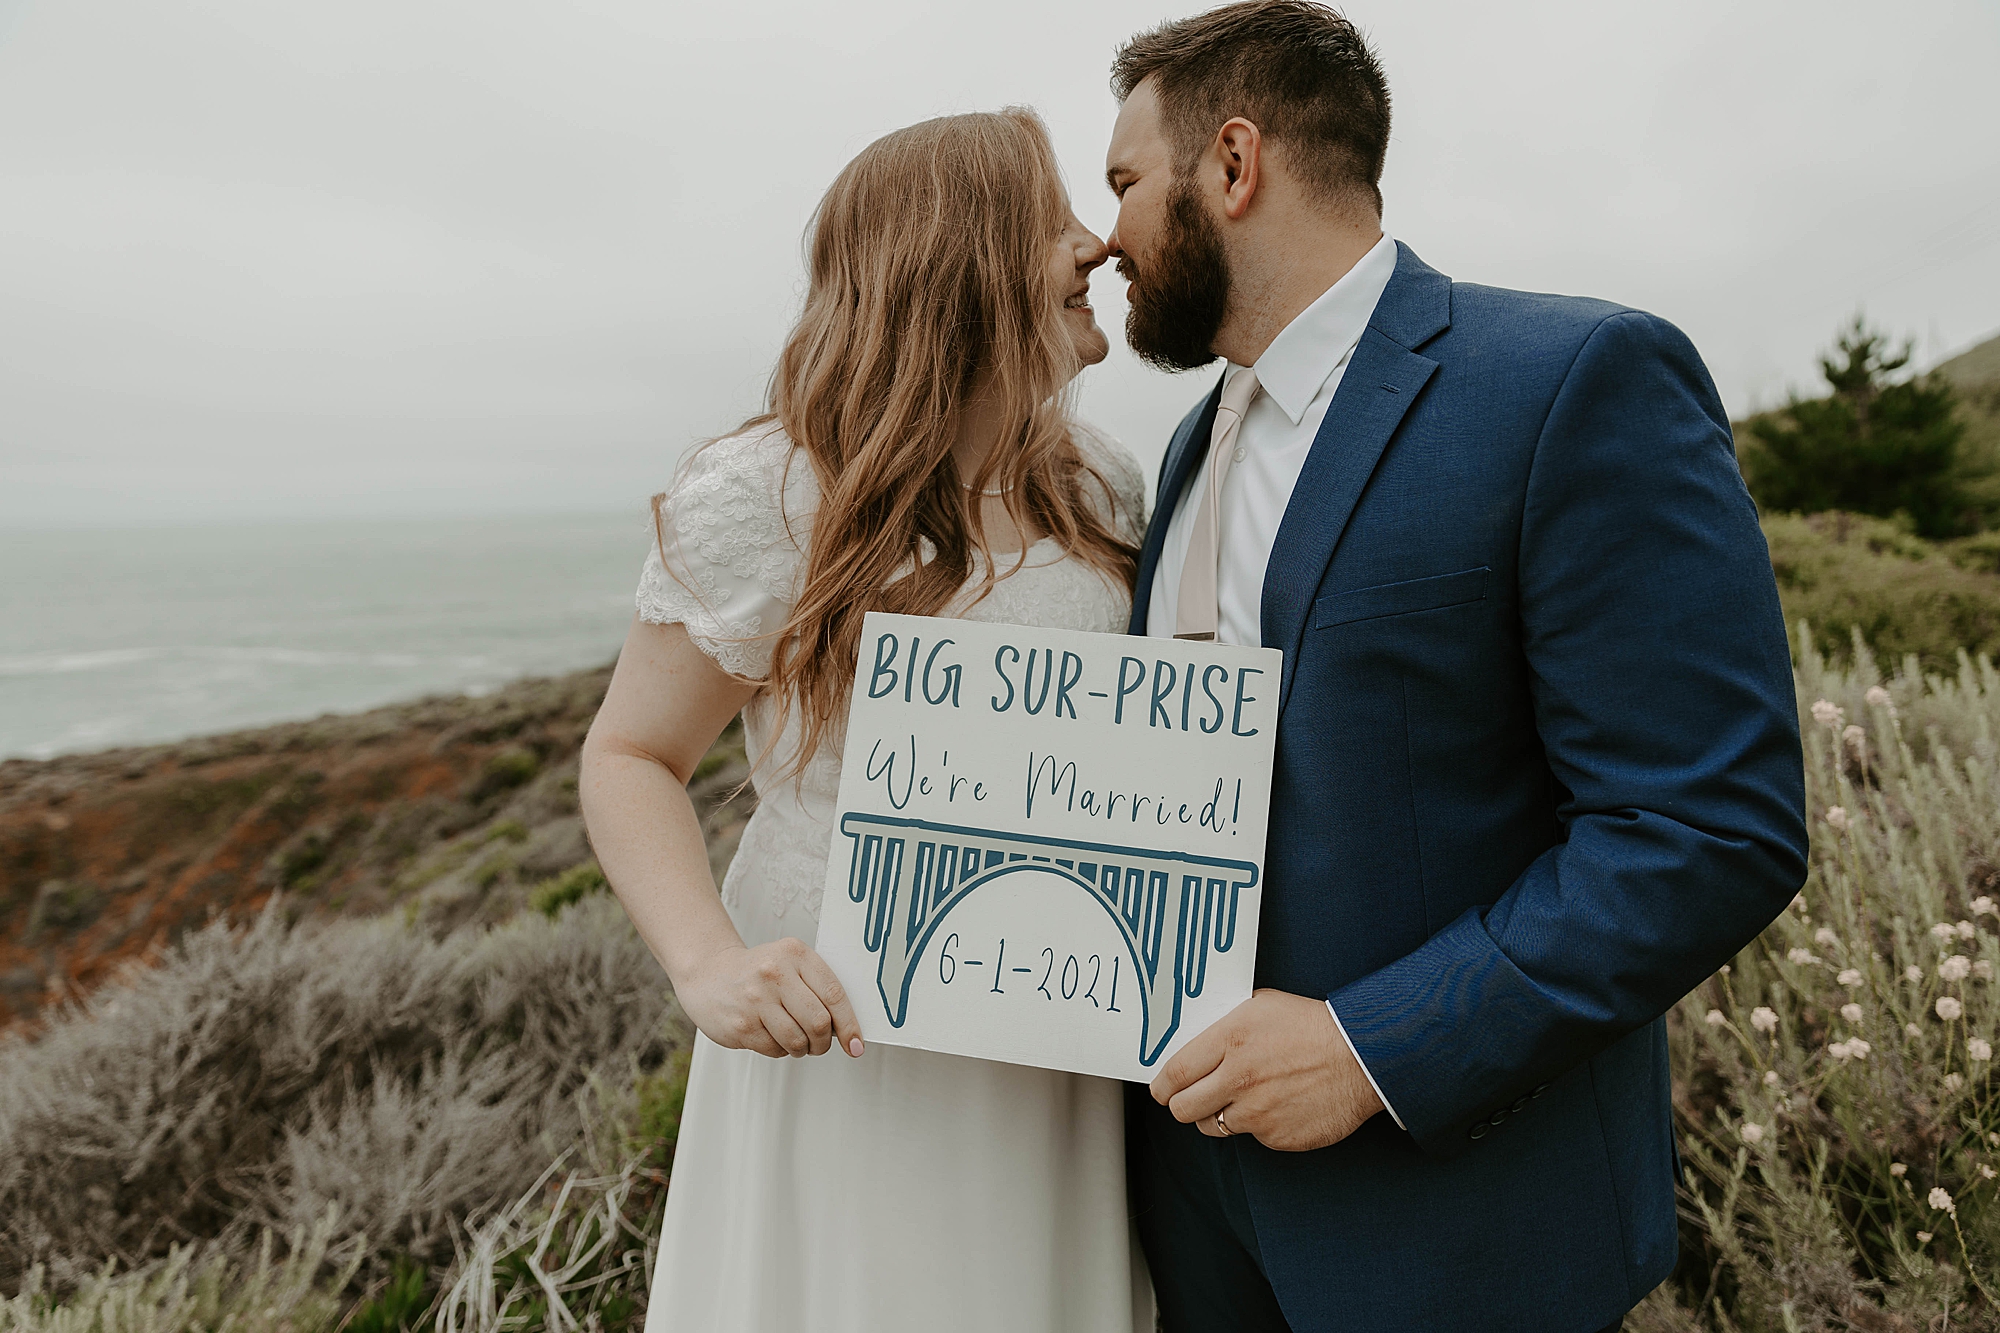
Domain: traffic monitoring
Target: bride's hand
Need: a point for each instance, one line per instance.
(776, 999)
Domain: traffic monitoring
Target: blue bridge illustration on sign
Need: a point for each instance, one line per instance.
(1171, 908)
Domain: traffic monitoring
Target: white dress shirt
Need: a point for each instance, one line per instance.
(1299, 373)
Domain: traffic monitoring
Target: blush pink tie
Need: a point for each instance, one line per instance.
(1197, 614)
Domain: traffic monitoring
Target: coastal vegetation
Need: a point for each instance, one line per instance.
(1878, 443)
(332, 1026)
(1849, 573)
(1835, 1098)
(1881, 500)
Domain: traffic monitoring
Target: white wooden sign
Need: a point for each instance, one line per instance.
(1049, 845)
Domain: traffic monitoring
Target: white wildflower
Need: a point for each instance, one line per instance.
(1955, 968)
(1878, 697)
(1856, 739)
(1953, 1082)
(1913, 1029)
(1828, 714)
(1941, 1200)
(1858, 1048)
(1851, 1012)
(1763, 1019)
(1913, 972)
(1770, 1078)
(1983, 969)
(1798, 903)
(1849, 978)
(1897, 1169)
(1923, 1237)
(1826, 937)
(1979, 1049)
(1943, 931)
(1836, 818)
(1803, 957)
(1983, 906)
(1716, 1018)
(1966, 930)
(1949, 1009)
(1753, 1134)
(1987, 1171)
(1838, 1050)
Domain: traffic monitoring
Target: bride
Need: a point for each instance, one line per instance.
(917, 456)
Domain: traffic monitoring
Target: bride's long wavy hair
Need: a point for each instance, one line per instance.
(930, 276)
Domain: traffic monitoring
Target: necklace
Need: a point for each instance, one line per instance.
(993, 493)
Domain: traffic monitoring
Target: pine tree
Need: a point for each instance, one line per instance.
(1877, 445)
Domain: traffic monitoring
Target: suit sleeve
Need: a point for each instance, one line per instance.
(1662, 689)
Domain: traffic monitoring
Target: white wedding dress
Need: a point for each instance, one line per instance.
(906, 1190)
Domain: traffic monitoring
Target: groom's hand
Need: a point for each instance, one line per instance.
(1277, 1067)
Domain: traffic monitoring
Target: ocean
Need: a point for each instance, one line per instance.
(133, 636)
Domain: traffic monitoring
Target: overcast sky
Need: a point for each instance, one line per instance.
(263, 258)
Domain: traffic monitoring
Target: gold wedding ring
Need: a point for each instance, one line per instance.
(1223, 1125)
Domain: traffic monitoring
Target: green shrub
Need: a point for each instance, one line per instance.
(1849, 574)
(441, 863)
(488, 872)
(302, 858)
(658, 1102)
(504, 771)
(63, 905)
(1980, 553)
(506, 830)
(1875, 445)
(398, 1306)
(572, 886)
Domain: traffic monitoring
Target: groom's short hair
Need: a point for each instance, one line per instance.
(1298, 71)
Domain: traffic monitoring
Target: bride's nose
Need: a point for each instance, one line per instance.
(1091, 254)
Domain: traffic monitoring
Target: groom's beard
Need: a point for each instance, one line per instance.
(1177, 304)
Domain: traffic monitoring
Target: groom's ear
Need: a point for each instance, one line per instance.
(1237, 163)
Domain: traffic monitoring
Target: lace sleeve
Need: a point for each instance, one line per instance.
(732, 529)
(1125, 507)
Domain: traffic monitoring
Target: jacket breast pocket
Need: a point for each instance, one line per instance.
(1400, 599)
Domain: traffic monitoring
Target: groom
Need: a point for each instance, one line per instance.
(1538, 768)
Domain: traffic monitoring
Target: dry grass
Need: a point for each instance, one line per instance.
(199, 1292)
(1835, 1089)
(258, 1076)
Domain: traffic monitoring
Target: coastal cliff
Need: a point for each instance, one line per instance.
(451, 809)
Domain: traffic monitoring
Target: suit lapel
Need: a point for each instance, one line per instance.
(1181, 459)
(1382, 380)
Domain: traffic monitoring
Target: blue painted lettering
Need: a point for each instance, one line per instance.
(1126, 687)
(1001, 671)
(1243, 675)
(885, 665)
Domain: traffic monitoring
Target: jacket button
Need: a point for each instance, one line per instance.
(1478, 1131)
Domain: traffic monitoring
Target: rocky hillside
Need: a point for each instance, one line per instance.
(1976, 376)
(453, 809)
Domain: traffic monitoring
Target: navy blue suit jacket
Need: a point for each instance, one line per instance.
(1538, 774)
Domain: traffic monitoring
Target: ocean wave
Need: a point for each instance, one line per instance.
(70, 663)
(61, 664)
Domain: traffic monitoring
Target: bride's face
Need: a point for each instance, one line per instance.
(1077, 252)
